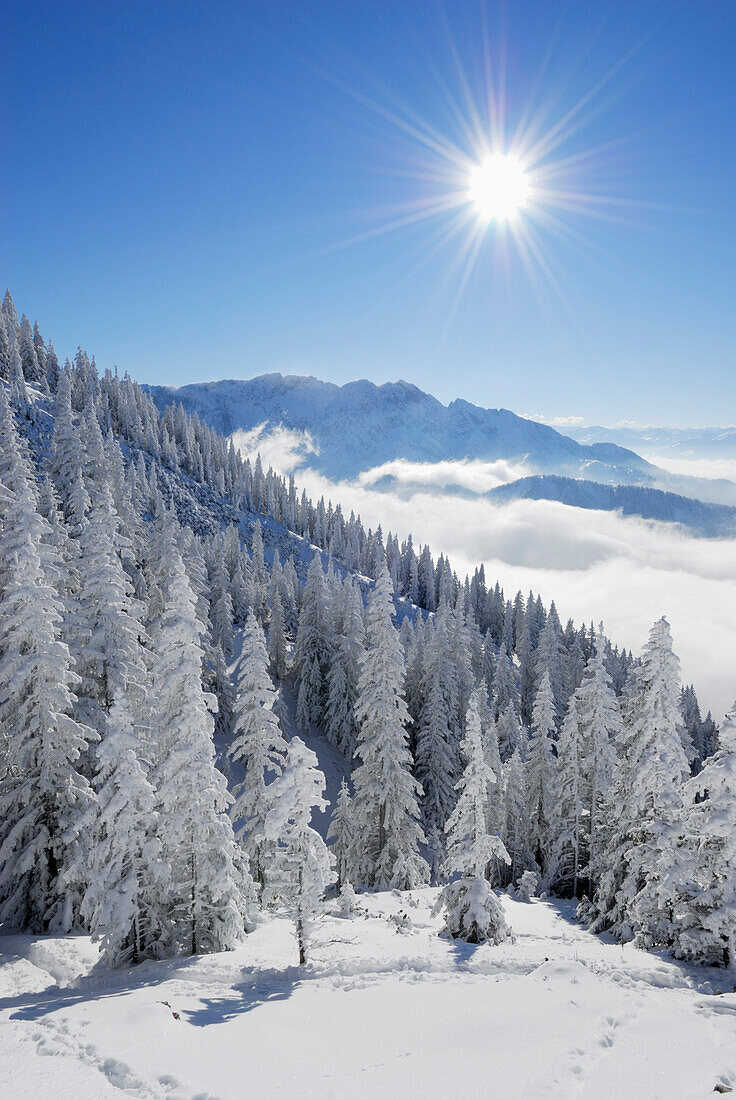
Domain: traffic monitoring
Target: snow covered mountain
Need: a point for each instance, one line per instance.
(350, 429)
(361, 425)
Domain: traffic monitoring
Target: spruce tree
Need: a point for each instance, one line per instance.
(570, 833)
(472, 910)
(342, 834)
(645, 810)
(601, 727)
(706, 896)
(277, 652)
(313, 648)
(111, 659)
(386, 794)
(258, 748)
(301, 869)
(342, 678)
(470, 846)
(42, 793)
(661, 766)
(205, 892)
(504, 685)
(541, 772)
(516, 824)
(436, 742)
(123, 902)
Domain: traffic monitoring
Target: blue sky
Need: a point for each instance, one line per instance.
(181, 184)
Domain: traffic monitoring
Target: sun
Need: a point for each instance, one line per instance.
(498, 187)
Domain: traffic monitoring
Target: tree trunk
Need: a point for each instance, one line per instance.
(300, 924)
(300, 941)
(194, 895)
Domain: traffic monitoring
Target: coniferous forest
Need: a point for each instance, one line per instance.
(179, 627)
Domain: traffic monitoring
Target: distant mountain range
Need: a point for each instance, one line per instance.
(359, 426)
(710, 520)
(705, 443)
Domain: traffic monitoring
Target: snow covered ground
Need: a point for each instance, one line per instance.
(384, 1008)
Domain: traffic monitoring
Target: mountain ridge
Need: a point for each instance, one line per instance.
(457, 430)
(361, 425)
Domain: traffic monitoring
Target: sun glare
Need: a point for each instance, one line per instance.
(498, 187)
(518, 172)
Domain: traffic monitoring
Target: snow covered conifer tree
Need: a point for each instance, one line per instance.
(206, 896)
(706, 901)
(385, 805)
(541, 771)
(277, 637)
(570, 833)
(601, 725)
(218, 681)
(472, 911)
(504, 685)
(66, 457)
(111, 660)
(313, 648)
(95, 463)
(645, 810)
(659, 859)
(222, 608)
(342, 834)
(258, 746)
(301, 869)
(549, 657)
(509, 732)
(42, 794)
(496, 814)
(516, 827)
(18, 391)
(436, 743)
(470, 846)
(259, 576)
(342, 678)
(489, 734)
(122, 903)
(33, 372)
(4, 349)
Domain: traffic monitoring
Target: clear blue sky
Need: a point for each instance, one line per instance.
(175, 179)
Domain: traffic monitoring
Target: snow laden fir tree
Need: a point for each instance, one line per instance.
(258, 749)
(301, 869)
(385, 804)
(43, 792)
(472, 910)
(205, 893)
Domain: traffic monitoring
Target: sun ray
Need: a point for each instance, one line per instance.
(501, 176)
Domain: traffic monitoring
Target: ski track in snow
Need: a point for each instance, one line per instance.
(385, 1007)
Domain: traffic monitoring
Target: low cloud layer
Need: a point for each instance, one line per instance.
(595, 565)
(471, 474)
(283, 448)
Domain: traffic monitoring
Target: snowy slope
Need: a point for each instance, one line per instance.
(385, 1008)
